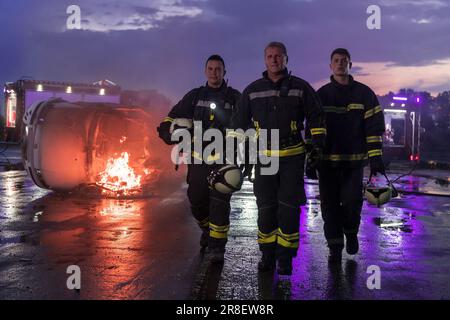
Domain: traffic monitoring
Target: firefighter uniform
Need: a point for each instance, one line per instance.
(355, 125)
(210, 208)
(282, 105)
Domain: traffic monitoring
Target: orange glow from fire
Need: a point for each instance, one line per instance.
(119, 177)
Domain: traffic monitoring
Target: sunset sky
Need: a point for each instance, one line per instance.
(163, 44)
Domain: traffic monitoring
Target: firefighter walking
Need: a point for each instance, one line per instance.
(355, 125)
(212, 105)
(280, 101)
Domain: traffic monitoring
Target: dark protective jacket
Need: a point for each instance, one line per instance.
(354, 123)
(283, 105)
(196, 105)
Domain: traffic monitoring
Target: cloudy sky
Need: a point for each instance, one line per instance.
(162, 44)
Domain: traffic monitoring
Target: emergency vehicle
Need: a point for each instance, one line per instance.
(20, 95)
(401, 140)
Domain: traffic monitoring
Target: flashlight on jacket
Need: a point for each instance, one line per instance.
(212, 106)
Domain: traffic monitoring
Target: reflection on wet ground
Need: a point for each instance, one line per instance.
(405, 240)
(125, 248)
(148, 249)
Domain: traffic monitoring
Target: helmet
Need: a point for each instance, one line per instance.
(379, 195)
(226, 179)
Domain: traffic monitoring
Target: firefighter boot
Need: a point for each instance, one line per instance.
(268, 261)
(285, 266)
(351, 244)
(335, 255)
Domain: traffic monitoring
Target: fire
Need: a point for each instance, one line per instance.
(119, 177)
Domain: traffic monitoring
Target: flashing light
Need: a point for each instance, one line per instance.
(416, 157)
(212, 106)
(400, 98)
(392, 104)
(69, 89)
(39, 88)
(411, 157)
(102, 92)
(417, 99)
(403, 104)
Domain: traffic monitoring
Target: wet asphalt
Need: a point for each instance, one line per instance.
(147, 248)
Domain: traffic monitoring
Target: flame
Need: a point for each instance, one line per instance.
(119, 177)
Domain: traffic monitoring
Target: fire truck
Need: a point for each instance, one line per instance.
(20, 95)
(401, 140)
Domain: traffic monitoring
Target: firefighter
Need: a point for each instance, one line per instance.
(212, 104)
(355, 125)
(280, 101)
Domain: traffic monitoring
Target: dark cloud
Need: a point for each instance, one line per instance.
(171, 56)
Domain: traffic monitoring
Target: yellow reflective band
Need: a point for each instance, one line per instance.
(371, 112)
(210, 158)
(315, 131)
(376, 152)
(218, 235)
(373, 139)
(270, 239)
(355, 106)
(334, 109)
(286, 243)
(291, 236)
(211, 117)
(345, 157)
(204, 222)
(266, 235)
(293, 126)
(290, 151)
(168, 119)
(219, 228)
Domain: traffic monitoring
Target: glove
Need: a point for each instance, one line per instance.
(213, 177)
(164, 132)
(314, 158)
(376, 165)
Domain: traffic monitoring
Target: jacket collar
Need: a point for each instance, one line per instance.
(338, 85)
(223, 87)
(285, 74)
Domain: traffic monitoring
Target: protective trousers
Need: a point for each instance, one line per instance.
(341, 202)
(209, 207)
(279, 197)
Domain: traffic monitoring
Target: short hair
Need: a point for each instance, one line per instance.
(215, 57)
(276, 44)
(342, 51)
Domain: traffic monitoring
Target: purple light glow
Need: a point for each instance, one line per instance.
(400, 98)
(417, 99)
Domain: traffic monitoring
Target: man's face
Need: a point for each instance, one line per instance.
(340, 64)
(214, 73)
(275, 60)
